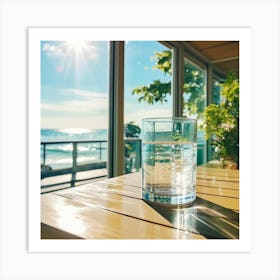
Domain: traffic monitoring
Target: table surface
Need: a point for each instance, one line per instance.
(113, 209)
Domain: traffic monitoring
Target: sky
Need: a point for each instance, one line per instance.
(75, 83)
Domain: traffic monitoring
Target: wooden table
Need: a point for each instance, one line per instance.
(113, 209)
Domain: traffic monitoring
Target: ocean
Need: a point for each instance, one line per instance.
(59, 155)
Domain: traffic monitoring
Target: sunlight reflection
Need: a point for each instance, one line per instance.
(69, 221)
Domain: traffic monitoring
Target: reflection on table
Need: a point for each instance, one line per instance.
(113, 209)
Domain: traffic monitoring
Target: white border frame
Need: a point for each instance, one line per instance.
(243, 35)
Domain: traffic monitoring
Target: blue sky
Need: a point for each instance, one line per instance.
(74, 83)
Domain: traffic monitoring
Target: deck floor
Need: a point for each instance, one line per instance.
(86, 176)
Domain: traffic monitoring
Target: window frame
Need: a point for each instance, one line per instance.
(180, 51)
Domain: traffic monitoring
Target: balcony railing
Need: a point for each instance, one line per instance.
(94, 150)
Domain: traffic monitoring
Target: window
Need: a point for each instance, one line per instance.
(216, 90)
(75, 102)
(195, 102)
(147, 92)
(74, 108)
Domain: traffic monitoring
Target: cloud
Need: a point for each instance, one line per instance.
(89, 109)
(87, 94)
(81, 102)
(63, 49)
(96, 122)
(53, 49)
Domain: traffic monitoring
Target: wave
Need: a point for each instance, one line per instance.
(73, 134)
(82, 159)
(75, 130)
(68, 148)
(60, 155)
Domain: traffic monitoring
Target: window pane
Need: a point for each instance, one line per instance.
(217, 99)
(216, 88)
(195, 102)
(147, 92)
(74, 107)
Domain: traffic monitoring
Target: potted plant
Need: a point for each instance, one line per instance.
(222, 123)
(131, 130)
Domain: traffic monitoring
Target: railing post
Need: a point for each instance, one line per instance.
(74, 164)
(100, 150)
(44, 155)
(140, 153)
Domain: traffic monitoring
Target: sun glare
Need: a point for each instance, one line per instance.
(80, 49)
(78, 55)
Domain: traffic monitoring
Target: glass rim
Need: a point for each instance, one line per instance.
(169, 119)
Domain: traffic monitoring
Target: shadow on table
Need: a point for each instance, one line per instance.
(203, 217)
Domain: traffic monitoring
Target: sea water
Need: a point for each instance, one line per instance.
(169, 172)
(60, 155)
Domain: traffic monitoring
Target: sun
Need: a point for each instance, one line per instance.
(78, 47)
(76, 58)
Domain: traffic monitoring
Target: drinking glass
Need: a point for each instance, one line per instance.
(169, 152)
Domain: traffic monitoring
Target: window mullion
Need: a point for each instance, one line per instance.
(178, 81)
(209, 100)
(209, 84)
(115, 164)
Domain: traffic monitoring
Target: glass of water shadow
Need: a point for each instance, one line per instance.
(169, 152)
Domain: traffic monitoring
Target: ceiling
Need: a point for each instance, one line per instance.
(223, 55)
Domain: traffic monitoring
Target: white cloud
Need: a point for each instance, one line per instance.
(63, 49)
(87, 108)
(76, 106)
(81, 104)
(96, 122)
(53, 49)
(86, 93)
